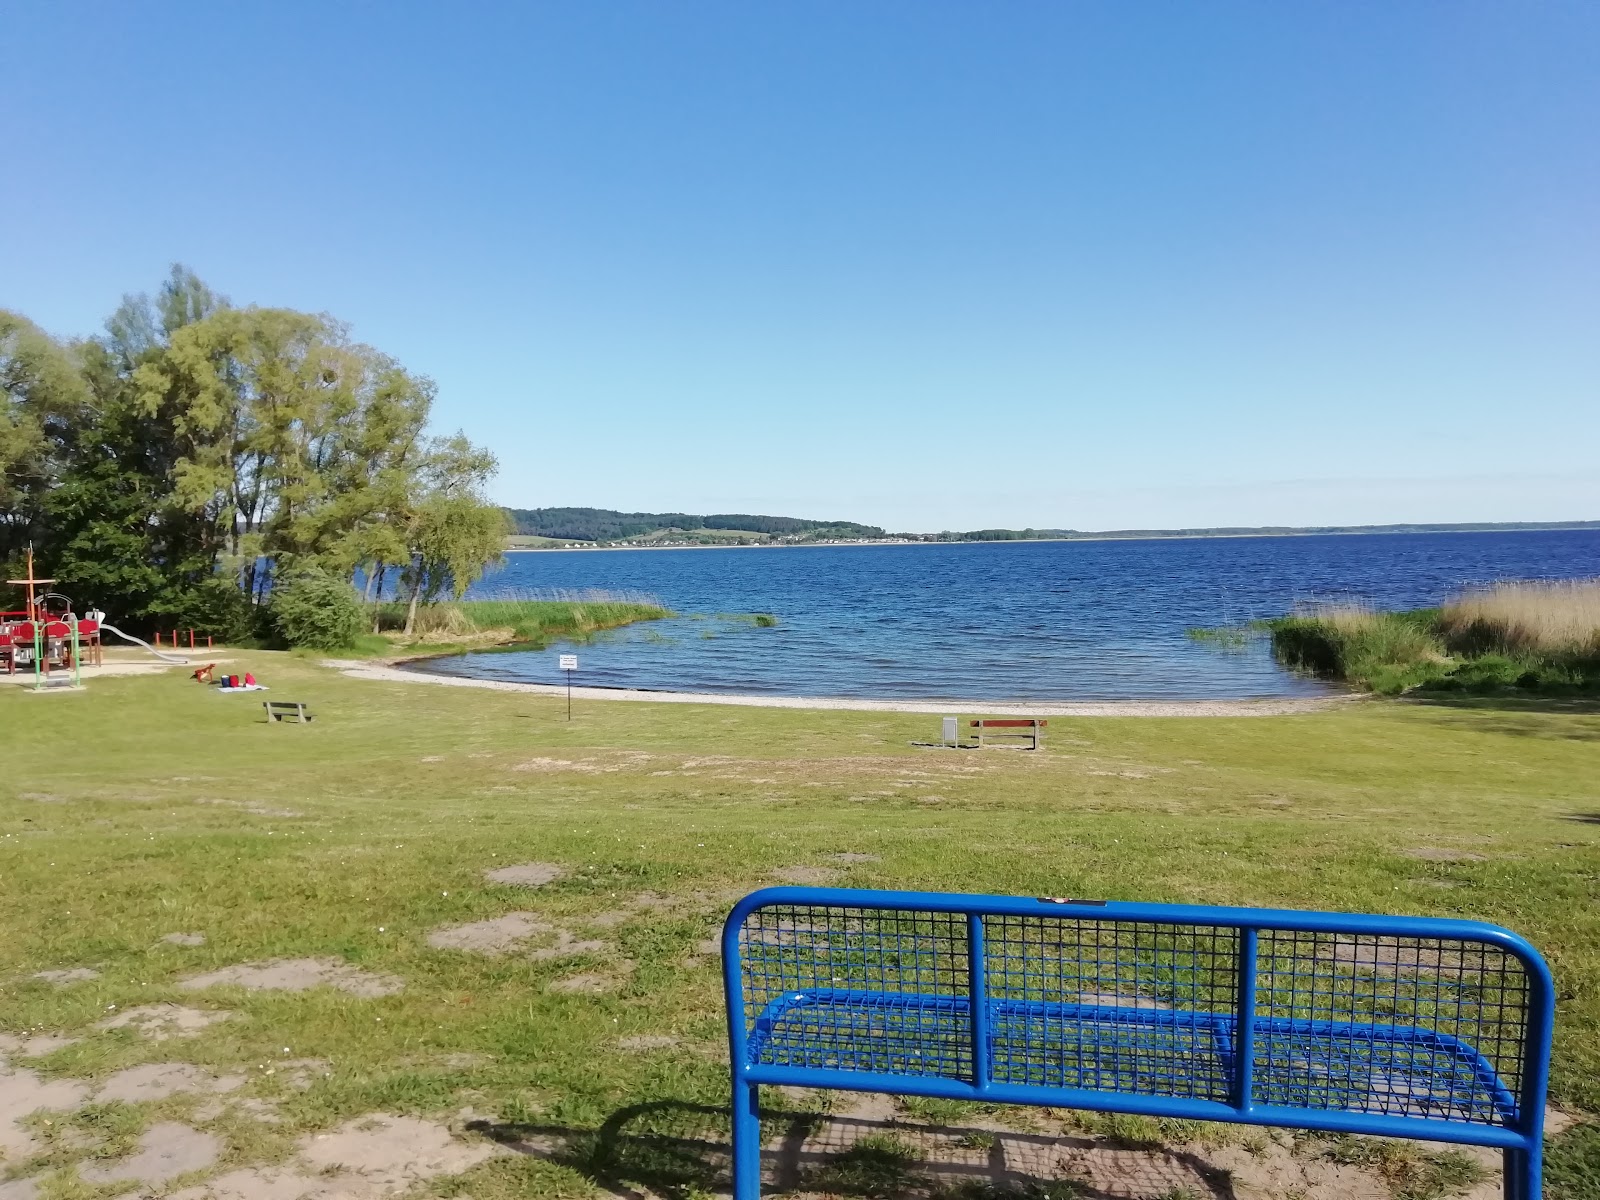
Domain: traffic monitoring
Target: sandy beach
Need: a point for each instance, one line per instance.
(1098, 708)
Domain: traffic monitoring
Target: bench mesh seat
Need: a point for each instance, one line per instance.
(1305, 1064)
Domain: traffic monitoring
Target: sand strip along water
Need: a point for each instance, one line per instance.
(1087, 708)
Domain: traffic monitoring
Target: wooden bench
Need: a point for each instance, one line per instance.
(1029, 730)
(1411, 1027)
(277, 710)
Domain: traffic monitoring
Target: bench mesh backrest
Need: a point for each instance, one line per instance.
(1419, 1027)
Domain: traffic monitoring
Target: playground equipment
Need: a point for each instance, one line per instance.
(1406, 1027)
(128, 637)
(46, 635)
(49, 636)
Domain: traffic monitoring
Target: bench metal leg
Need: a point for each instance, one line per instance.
(1521, 1172)
(746, 1141)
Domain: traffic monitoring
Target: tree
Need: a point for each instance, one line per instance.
(43, 401)
(118, 535)
(303, 442)
(172, 467)
(453, 534)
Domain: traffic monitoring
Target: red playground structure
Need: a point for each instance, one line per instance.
(46, 634)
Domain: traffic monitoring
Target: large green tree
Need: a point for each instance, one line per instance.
(452, 534)
(170, 468)
(44, 402)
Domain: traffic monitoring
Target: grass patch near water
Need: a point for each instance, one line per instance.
(534, 621)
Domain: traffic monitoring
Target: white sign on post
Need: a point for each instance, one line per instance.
(569, 664)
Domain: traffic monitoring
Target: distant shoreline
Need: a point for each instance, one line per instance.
(1153, 536)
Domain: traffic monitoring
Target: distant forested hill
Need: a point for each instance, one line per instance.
(606, 525)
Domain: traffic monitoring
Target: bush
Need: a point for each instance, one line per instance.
(313, 609)
(216, 607)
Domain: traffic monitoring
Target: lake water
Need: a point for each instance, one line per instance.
(996, 621)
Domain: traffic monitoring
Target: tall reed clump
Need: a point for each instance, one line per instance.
(1384, 652)
(527, 616)
(1550, 618)
(1538, 636)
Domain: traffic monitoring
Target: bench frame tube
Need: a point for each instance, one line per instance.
(1521, 1145)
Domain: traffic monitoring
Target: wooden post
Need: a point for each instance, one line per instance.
(191, 639)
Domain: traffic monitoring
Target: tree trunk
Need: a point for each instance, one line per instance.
(377, 606)
(411, 610)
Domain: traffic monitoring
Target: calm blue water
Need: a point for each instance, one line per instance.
(998, 621)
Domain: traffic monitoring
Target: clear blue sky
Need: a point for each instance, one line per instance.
(928, 265)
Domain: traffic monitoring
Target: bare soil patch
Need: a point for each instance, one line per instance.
(530, 874)
(257, 1183)
(589, 985)
(259, 810)
(981, 1155)
(1440, 854)
(806, 876)
(582, 766)
(22, 1092)
(157, 1081)
(184, 939)
(495, 936)
(567, 946)
(158, 1022)
(34, 1046)
(165, 1151)
(68, 976)
(1387, 957)
(298, 975)
(393, 1152)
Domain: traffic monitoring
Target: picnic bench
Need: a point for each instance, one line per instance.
(278, 710)
(1399, 1026)
(1027, 730)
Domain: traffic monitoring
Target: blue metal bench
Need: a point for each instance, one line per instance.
(1400, 1026)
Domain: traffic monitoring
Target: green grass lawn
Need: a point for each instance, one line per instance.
(148, 806)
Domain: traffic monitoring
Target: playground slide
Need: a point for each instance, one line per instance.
(128, 637)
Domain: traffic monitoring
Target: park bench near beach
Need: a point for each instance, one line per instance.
(1010, 731)
(278, 710)
(1397, 1026)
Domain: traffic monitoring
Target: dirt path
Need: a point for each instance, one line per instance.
(1099, 708)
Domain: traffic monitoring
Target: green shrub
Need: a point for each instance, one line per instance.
(215, 607)
(313, 609)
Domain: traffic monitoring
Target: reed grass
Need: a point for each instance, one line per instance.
(1560, 617)
(524, 616)
(1527, 636)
